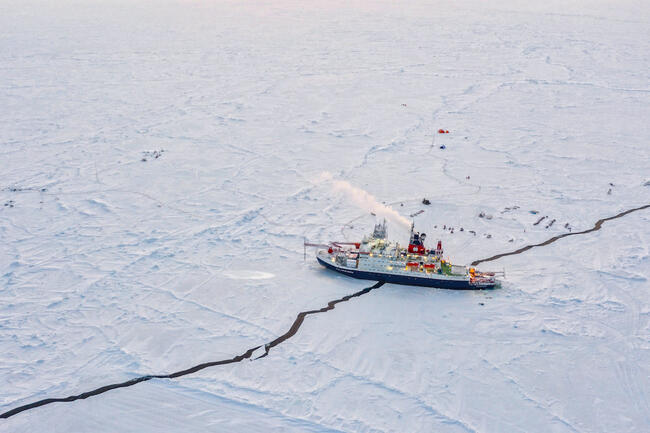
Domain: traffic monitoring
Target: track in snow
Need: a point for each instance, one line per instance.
(246, 355)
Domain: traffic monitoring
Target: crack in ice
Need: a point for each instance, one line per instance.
(246, 355)
(596, 227)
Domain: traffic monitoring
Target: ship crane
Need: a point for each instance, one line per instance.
(334, 246)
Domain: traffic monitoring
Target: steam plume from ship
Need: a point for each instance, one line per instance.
(367, 201)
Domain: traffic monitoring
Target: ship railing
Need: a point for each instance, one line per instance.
(341, 244)
(491, 274)
(479, 280)
(337, 247)
(309, 244)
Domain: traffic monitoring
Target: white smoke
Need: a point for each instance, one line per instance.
(367, 201)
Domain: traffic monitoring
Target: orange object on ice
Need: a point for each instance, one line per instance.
(441, 131)
(446, 132)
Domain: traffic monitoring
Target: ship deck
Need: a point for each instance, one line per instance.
(437, 281)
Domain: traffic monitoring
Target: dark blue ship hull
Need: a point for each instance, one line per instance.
(403, 279)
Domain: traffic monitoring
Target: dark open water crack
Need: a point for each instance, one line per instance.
(596, 226)
(297, 323)
(246, 355)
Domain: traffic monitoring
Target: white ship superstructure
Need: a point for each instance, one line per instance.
(376, 258)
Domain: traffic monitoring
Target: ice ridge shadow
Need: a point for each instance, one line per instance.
(297, 323)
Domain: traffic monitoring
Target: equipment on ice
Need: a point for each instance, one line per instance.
(375, 258)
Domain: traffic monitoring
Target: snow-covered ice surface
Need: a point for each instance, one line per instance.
(160, 165)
